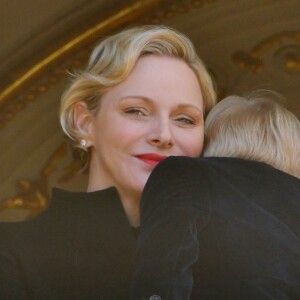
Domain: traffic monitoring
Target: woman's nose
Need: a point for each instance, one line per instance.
(161, 135)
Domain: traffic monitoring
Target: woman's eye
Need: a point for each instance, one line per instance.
(135, 111)
(186, 121)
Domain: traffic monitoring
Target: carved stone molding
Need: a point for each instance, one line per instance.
(33, 195)
(170, 8)
(285, 47)
(288, 58)
(16, 96)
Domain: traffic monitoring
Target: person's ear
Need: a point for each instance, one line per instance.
(83, 122)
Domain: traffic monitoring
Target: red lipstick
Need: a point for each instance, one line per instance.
(151, 159)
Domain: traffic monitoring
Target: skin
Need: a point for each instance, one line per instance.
(158, 109)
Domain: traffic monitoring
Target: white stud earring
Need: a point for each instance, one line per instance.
(83, 142)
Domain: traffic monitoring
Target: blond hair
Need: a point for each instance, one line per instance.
(256, 128)
(113, 60)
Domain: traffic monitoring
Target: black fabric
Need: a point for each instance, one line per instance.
(219, 228)
(82, 247)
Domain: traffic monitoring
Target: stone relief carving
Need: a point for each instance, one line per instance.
(285, 47)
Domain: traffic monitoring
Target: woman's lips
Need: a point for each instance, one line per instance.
(151, 159)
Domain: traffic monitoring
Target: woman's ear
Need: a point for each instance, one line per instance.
(83, 121)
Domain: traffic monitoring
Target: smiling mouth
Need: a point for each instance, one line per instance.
(151, 159)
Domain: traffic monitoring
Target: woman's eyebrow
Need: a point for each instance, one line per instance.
(143, 98)
(189, 105)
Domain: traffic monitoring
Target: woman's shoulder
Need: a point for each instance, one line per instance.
(62, 205)
(14, 235)
(66, 210)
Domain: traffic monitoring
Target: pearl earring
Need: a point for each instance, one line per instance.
(83, 142)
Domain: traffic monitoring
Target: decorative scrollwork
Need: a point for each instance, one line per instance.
(288, 58)
(170, 9)
(49, 69)
(284, 42)
(33, 195)
(11, 108)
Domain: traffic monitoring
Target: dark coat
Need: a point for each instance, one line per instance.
(82, 247)
(219, 228)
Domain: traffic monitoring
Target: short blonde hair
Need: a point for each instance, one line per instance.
(113, 60)
(256, 128)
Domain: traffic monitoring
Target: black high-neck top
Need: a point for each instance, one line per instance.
(82, 247)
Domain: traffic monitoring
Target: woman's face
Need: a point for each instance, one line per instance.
(156, 112)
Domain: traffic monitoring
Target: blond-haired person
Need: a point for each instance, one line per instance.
(142, 97)
(255, 128)
(226, 226)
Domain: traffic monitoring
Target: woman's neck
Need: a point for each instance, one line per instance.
(98, 180)
(131, 205)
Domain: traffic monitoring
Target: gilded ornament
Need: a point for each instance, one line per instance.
(33, 195)
(283, 42)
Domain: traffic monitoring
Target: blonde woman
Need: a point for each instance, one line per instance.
(142, 97)
(226, 226)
